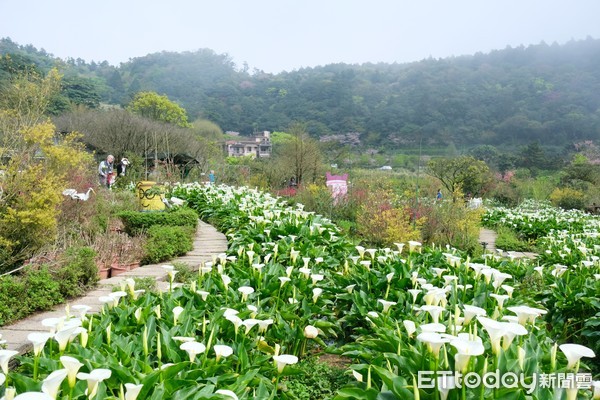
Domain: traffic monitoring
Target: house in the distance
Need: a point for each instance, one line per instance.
(258, 146)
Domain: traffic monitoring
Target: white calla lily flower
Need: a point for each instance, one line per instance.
(5, 356)
(283, 360)
(38, 339)
(227, 393)
(93, 379)
(176, 313)
(310, 332)
(574, 352)
(410, 327)
(193, 348)
(72, 366)
(472, 311)
(52, 383)
(30, 396)
(222, 350)
(386, 304)
(245, 291)
(434, 342)
(132, 391)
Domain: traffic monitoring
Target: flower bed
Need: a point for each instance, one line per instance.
(290, 284)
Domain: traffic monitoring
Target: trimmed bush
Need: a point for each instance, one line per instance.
(166, 242)
(136, 222)
(13, 300)
(509, 240)
(42, 290)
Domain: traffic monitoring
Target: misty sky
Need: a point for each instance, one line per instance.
(277, 35)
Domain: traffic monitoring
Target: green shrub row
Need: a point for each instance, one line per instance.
(39, 288)
(136, 222)
(509, 240)
(167, 242)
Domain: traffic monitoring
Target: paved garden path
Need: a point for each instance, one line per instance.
(488, 237)
(207, 243)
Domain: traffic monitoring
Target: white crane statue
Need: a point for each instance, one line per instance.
(173, 201)
(72, 193)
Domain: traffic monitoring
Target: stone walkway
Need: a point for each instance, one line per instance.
(488, 237)
(207, 243)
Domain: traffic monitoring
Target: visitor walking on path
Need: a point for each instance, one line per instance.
(105, 170)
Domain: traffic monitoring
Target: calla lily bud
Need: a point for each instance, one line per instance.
(416, 393)
(145, 340)
(83, 338)
(138, 314)
(108, 330)
(158, 346)
(10, 393)
(553, 357)
(596, 388)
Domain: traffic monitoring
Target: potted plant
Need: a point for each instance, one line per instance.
(105, 255)
(136, 251)
(129, 252)
(103, 264)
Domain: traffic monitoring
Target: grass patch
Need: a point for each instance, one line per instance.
(316, 379)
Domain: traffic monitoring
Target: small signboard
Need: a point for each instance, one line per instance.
(338, 184)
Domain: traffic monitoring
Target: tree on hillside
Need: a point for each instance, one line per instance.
(463, 173)
(207, 129)
(535, 158)
(81, 91)
(159, 108)
(301, 153)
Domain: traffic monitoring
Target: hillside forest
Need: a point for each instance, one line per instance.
(547, 94)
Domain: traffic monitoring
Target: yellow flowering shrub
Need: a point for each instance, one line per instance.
(380, 222)
(32, 183)
(568, 198)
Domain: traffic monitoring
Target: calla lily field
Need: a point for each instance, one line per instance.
(410, 322)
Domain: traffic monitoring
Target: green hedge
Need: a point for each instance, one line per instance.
(20, 296)
(136, 222)
(39, 288)
(167, 242)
